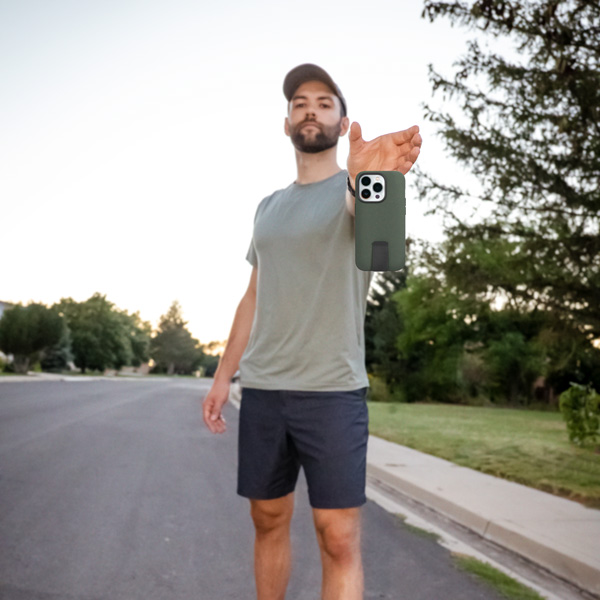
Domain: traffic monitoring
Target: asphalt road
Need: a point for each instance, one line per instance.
(114, 490)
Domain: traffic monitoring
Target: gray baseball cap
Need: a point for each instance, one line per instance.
(309, 72)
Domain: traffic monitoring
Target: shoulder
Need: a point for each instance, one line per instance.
(267, 200)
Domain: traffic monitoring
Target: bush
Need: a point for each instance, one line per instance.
(380, 392)
(580, 408)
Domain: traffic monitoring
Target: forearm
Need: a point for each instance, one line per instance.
(238, 339)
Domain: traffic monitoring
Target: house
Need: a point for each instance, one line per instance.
(5, 306)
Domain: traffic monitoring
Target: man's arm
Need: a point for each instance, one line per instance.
(391, 152)
(240, 333)
(229, 363)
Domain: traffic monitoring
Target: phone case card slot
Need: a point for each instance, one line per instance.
(379, 256)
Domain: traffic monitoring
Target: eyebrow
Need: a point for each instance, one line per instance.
(319, 98)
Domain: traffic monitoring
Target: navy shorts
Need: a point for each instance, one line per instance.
(325, 433)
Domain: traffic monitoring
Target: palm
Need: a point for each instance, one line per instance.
(390, 152)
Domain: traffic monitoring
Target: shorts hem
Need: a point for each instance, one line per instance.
(338, 505)
(263, 496)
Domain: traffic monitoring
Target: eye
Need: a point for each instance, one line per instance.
(326, 105)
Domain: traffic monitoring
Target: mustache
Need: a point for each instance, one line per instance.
(309, 122)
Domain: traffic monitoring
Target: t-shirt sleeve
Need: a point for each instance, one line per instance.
(251, 254)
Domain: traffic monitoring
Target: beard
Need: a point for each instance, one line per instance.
(326, 138)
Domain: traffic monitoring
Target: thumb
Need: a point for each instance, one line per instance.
(355, 135)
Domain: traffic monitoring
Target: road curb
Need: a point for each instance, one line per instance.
(503, 532)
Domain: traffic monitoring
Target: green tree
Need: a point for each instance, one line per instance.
(532, 138)
(514, 355)
(430, 344)
(27, 331)
(139, 333)
(57, 357)
(173, 348)
(452, 346)
(382, 325)
(102, 336)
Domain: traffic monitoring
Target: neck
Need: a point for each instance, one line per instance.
(316, 167)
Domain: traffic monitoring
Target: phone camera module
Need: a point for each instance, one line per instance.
(365, 181)
(377, 187)
(365, 194)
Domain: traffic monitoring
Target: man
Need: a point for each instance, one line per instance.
(298, 338)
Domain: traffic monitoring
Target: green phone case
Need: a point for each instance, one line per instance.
(379, 239)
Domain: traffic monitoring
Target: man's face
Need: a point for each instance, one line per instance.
(314, 121)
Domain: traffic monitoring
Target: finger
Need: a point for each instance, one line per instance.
(400, 137)
(355, 136)
(214, 426)
(408, 162)
(211, 414)
(407, 152)
(206, 409)
(414, 154)
(405, 167)
(215, 411)
(220, 425)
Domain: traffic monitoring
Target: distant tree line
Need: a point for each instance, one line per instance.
(95, 335)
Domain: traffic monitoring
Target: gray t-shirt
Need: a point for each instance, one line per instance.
(308, 329)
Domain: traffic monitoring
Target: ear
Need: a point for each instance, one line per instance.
(345, 126)
(286, 127)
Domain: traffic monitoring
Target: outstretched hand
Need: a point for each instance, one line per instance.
(390, 152)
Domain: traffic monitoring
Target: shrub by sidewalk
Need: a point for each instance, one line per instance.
(580, 406)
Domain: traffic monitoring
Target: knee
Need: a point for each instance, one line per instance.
(340, 544)
(271, 515)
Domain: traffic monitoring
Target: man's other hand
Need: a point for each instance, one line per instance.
(212, 405)
(390, 152)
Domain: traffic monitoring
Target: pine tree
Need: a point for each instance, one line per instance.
(533, 140)
(173, 348)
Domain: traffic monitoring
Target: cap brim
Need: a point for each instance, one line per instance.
(309, 72)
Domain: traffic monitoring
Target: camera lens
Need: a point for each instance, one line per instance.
(366, 181)
(377, 187)
(365, 194)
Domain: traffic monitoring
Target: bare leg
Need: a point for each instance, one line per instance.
(272, 548)
(338, 534)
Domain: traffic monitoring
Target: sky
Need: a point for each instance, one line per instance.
(138, 137)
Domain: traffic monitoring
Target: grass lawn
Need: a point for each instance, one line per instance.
(506, 586)
(529, 447)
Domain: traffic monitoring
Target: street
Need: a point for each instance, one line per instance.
(115, 490)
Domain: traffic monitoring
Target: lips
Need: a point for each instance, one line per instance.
(310, 125)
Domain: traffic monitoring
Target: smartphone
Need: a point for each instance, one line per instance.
(379, 222)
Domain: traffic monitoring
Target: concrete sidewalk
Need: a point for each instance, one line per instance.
(557, 534)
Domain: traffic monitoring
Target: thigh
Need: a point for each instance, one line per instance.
(331, 431)
(268, 463)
